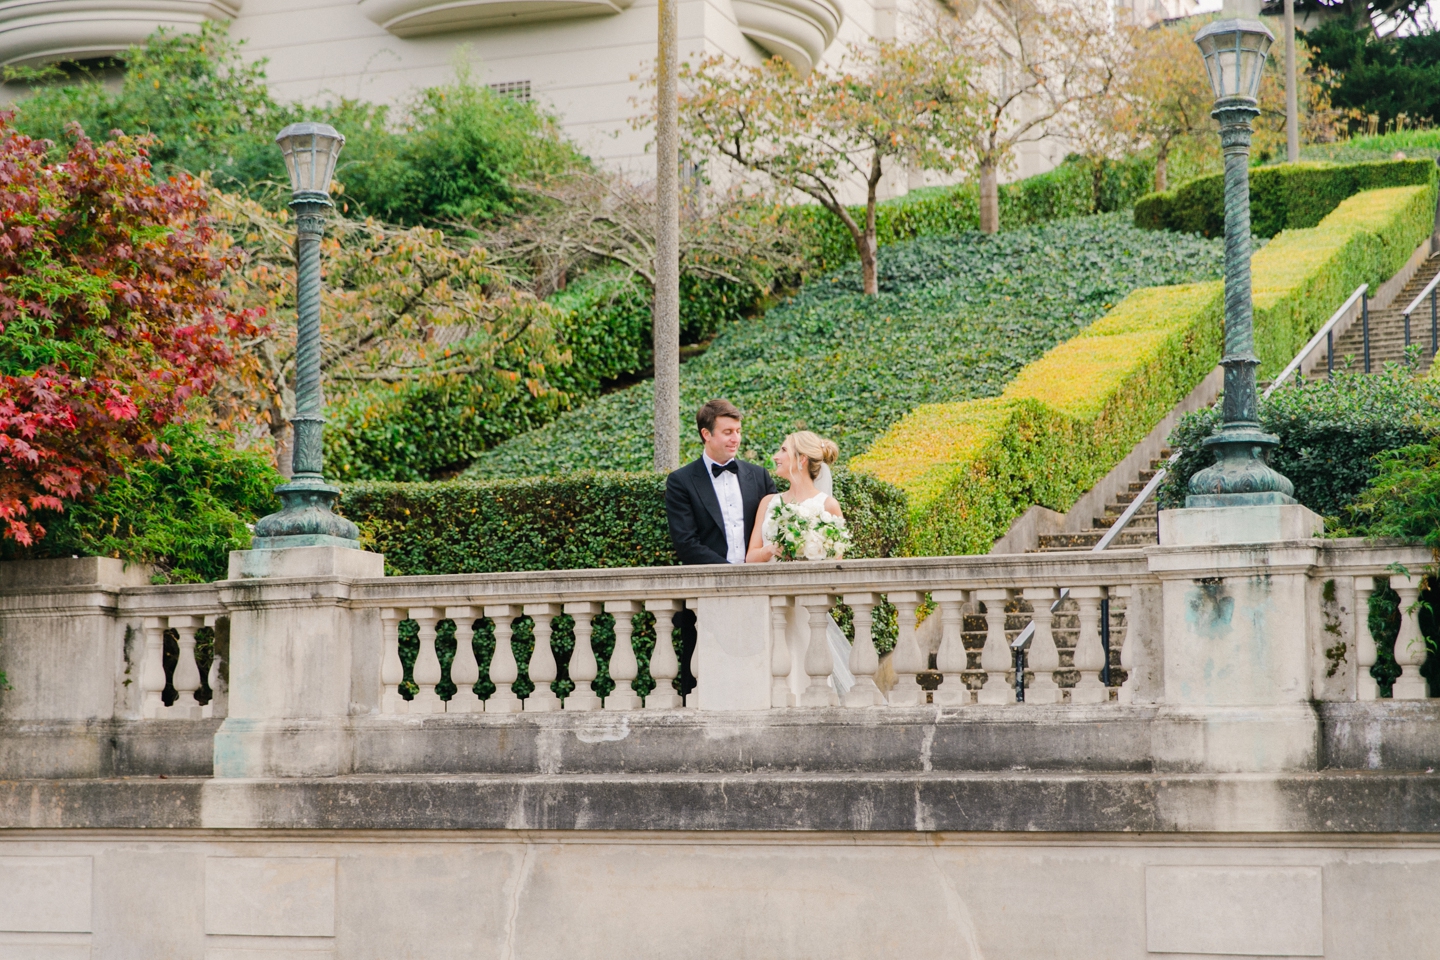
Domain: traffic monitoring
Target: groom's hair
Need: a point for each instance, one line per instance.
(713, 410)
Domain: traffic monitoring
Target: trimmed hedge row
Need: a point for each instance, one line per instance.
(1289, 196)
(577, 521)
(969, 469)
(1075, 188)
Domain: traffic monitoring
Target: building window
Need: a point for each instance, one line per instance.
(519, 89)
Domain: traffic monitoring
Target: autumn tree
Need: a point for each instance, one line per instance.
(823, 134)
(400, 307)
(111, 316)
(1032, 66)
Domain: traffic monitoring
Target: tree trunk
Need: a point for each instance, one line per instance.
(989, 199)
(1162, 179)
(868, 246)
(666, 315)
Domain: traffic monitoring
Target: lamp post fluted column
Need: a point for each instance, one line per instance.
(307, 517)
(1234, 52)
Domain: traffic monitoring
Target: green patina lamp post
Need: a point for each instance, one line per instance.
(307, 518)
(1235, 52)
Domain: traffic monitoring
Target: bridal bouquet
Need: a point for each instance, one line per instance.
(806, 531)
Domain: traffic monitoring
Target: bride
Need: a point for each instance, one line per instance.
(804, 459)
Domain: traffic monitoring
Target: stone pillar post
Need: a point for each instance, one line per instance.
(1236, 649)
(302, 661)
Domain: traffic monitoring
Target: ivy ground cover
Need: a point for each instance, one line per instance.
(955, 319)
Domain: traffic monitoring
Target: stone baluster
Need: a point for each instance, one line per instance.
(819, 659)
(1130, 646)
(187, 672)
(392, 670)
(427, 665)
(692, 699)
(664, 665)
(464, 669)
(951, 659)
(1089, 653)
(583, 668)
(504, 671)
(1044, 658)
(1409, 644)
(543, 670)
(864, 661)
(780, 658)
(152, 670)
(1366, 688)
(907, 656)
(624, 668)
(995, 658)
(219, 705)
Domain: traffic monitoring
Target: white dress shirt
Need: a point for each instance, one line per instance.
(732, 509)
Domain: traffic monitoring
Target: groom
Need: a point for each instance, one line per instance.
(711, 505)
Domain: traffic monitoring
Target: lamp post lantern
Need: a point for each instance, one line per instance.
(1234, 52)
(307, 518)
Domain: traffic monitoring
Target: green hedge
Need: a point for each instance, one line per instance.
(578, 521)
(1075, 188)
(971, 468)
(1330, 431)
(955, 318)
(1288, 196)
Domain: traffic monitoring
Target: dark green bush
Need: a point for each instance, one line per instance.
(955, 318)
(579, 521)
(1330, 433)
(1287, 196)
(182, 512)
(1075, 188)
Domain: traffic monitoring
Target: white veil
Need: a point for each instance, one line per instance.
(824, 482)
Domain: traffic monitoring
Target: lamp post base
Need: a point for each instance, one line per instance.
(306, 519)
(1240, 475)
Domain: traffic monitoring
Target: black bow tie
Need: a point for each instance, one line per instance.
(718, 468)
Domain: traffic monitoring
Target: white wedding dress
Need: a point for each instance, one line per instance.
(840, 676)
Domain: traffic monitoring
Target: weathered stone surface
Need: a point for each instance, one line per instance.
(106, 748)
(1329, 803)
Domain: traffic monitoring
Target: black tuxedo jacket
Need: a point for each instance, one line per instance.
(697, 527)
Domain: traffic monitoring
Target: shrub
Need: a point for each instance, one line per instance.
(1330, 431)
(182, 512)
(1285, 197)
(579, 521)
(954, 319)
(1067, 191)
(970, 469)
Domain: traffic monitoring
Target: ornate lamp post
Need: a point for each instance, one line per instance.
(306, 518)
(1234, 52)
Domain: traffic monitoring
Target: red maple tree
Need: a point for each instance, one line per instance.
(111, 315)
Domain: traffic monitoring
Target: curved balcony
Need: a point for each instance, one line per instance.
(798, 30)
(414, 18)
(42, 31)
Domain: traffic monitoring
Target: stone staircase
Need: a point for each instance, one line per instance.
(1143, 528)
(1387, 331)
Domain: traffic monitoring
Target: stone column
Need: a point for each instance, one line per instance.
(1235, 639)
(302, 661)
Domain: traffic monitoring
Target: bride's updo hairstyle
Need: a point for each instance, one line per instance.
(814, 448)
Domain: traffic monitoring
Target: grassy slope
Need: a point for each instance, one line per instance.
(1414, 143)
(955, 319)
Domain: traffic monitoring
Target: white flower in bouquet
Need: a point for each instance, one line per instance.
(805, 531)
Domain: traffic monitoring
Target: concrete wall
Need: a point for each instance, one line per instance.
(508, 894)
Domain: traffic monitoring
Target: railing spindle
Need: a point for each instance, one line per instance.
(1366, 652)
(995, 658)
(152, 672)
(504, 671)
(427, 665)
(187, 672)
(780, 657)
(543, 670)
(1089, 654)
(392, 670)
(907, 657)
(1409, 644)
(952, 660)
(624, 667)
(664, 665)
(1044, 657)
(819, 660)
(464, 669)
(864, 660)
(583, 668)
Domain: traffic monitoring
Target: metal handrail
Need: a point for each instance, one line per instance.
(1325, 332)
(1429, 289)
